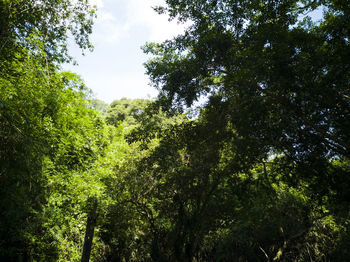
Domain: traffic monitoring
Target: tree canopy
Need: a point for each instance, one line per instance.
(276, 84)
(44, 26)
(280, 78)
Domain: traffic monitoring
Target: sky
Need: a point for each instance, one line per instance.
(115, 68)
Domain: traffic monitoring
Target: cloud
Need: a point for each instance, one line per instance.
(115, 23)
(106, 17)
(108, 29)
(141, 12)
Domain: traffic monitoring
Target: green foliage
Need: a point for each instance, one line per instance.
(36, 25)
(255, 177)
(25, 119)
(56, 152)
(99, 105)
(127, 111)
(266, 66)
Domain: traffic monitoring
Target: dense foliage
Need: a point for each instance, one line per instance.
(267, 161)
(44, 25)
(55, 151)
(259, 172)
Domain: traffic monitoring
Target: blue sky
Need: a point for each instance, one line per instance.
(115, 68)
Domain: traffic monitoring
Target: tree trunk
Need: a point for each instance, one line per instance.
(90, 227)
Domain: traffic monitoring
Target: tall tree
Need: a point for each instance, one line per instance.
(283, 81)
(277, 100)
(38, 106)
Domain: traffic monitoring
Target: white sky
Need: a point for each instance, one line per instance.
(115, 68)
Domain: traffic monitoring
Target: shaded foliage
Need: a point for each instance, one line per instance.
(261, 174)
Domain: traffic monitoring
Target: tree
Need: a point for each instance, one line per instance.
(56, 153)
(100, 106)
(126, 110)
(275, 102)
(281, 82)
(44, 25)
(47, 132)
(266, 67)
